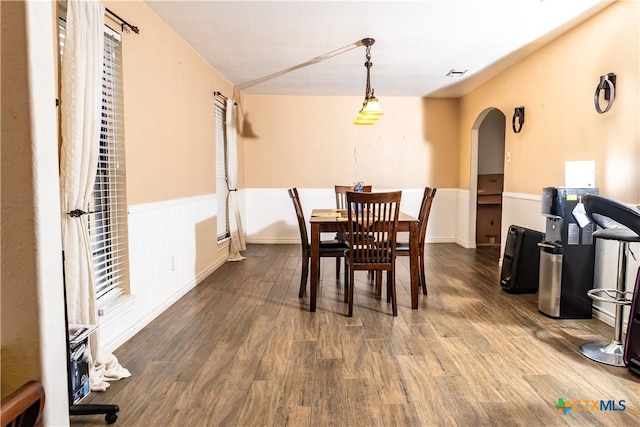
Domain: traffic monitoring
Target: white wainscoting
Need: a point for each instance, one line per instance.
(162, 254)
(270, 217)
(465, 220)
(523, 210)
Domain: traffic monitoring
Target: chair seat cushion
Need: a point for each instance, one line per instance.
(403, 247)
(333, 244)
(620, 233)
(332, 248)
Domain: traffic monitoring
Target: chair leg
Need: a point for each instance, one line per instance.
(337, 268)
(378, 274)
(346, 281)
(351, 286)
(423, 279)
(394, 301)
(388, 286)
(303, 277)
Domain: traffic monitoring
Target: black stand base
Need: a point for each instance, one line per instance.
(93, 409)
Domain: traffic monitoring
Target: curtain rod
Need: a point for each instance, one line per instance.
(124, 23)
(216, 93)
(219, 94)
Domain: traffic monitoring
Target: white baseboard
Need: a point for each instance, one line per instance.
(607, 317)
(465, 244)
(272, 240)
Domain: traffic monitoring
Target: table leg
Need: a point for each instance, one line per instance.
(315, 264)
(414, 263)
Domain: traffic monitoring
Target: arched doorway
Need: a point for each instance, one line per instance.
(486, 177)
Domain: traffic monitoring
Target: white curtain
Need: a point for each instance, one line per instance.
(233, 208)
(81, 87)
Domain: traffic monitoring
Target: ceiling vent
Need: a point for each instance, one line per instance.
(456, 72)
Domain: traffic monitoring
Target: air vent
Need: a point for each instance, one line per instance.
(456, 72)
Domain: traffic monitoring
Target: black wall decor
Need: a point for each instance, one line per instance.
(518, 119)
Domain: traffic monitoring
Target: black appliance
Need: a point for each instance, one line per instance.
(632, 343)
(521, 261)
(566, 255)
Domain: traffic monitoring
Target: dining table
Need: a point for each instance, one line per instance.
(334, 221)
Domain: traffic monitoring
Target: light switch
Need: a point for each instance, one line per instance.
(508, 156)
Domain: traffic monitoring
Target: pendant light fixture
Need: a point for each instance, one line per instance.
(371, 110)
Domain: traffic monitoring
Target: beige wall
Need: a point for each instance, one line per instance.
(32, 314)
(169, 111)
(310, 142)
(556, 85)
(169, 119)
(20, 329)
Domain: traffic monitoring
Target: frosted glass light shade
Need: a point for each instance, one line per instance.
(372, 108)
(364, 120)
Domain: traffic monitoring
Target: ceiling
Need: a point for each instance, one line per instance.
(417, 43)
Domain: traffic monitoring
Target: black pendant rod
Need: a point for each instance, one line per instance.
(124, 23)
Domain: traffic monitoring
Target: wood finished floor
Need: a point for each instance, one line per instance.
(242, 350)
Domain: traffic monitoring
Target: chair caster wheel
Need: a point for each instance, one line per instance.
(110, 418)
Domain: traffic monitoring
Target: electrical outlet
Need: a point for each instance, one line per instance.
(173, 263)
(508, 156)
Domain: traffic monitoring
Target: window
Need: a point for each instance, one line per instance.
(108, 206)
(221, 170)
(107, 218)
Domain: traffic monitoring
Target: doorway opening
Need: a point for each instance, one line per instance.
(487, 177)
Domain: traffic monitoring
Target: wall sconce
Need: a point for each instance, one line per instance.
(608, 83)
(518, 119)
(371, 110)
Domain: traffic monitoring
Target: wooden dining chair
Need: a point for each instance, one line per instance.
(328, 248)
(341, 203)
(24, 407)
(402, 248)
(341, 194)
(372, 223)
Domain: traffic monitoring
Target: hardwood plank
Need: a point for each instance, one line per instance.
(361, 403)
(510, 414)
(401, 415)
(261, 405)
(277, 352)
(298, 379)
(329, 341)
(296, 416)
(354, 352)
(329, 394)
(227, 405)
(464, 406)
(386, 373)
(256, 339)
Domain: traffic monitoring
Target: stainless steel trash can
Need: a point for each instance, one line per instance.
(550, 279)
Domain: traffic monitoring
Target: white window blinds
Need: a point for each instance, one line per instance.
(108, 209)
(221, 169)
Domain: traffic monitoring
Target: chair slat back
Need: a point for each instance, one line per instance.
(373, 223)
(341, 194)
(295, 198)
(425, 209)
